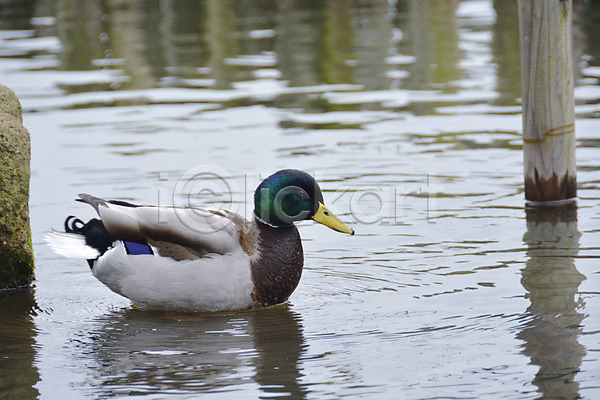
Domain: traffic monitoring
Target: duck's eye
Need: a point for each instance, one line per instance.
(326, 213)
(302, 194)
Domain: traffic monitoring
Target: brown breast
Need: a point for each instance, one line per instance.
(277, 270)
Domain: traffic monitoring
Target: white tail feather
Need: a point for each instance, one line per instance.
(70, 245)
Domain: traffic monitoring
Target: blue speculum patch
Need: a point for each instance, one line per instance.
(135, 249)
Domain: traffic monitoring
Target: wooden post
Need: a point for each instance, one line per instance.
(548, 102)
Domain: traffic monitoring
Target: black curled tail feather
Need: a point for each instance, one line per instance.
(95, 233)
(74, 225)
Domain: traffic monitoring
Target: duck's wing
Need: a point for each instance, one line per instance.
(175, 230)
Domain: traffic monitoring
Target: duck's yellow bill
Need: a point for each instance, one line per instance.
(325, 217)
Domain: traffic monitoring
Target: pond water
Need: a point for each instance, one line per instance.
(408, 114)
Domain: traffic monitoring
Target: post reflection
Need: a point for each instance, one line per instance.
(18, 373)
(551, 279)
(141, 352)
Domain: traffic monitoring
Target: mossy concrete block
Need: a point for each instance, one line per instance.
(16, 253)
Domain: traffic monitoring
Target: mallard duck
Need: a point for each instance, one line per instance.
(200, 260)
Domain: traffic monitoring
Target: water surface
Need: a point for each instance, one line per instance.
(408, 114)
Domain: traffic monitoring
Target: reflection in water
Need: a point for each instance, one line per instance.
(591, 28)
(132, 39)
(213, 43)
(279, 343)
(82, 33)
(338, 51)
(372, 41)
(299, 33)
(141, 352)
(222, 42)
(435, 48)
(505, 47)
(315, 42)
(180, 35)
(552, 281)
(16, 14)
(18, 374)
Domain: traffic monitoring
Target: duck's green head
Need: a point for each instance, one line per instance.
(291, 195)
